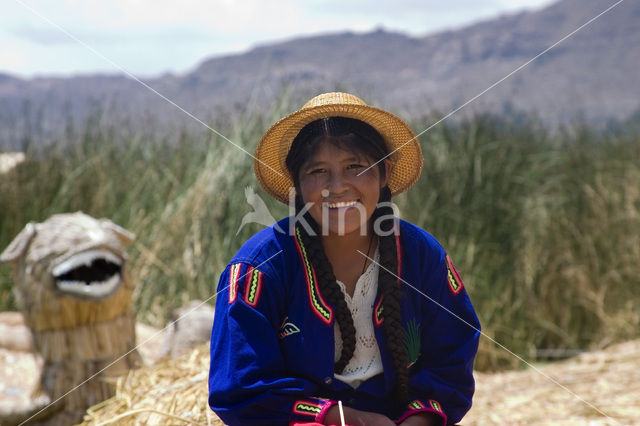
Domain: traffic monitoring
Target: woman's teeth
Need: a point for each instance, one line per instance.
(342, 204)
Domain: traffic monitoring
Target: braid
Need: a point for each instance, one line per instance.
(392, 302)
(329, 288)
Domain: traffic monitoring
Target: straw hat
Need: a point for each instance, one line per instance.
(270, 155)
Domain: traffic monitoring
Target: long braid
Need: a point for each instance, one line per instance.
(392, 302)
(329, 288)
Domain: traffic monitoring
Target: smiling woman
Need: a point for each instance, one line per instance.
(322, 314)
(336, 175)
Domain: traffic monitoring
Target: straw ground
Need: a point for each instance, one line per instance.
(175, 392)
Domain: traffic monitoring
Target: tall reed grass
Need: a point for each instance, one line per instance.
(544, 228)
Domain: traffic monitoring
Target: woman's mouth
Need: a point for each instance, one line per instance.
(342, 204)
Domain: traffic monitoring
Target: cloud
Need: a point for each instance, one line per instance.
(196, 29)
(53, 36)
(414, 16)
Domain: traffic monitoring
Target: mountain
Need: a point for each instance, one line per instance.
(592, 75)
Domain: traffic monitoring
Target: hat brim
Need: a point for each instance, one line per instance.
(272, 150)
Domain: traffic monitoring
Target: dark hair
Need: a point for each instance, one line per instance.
(346, 133)
(361, 138)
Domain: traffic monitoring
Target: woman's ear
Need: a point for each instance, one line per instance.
(388, 167)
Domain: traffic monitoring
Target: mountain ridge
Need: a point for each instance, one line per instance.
(589, 75)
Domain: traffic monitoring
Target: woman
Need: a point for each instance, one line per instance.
(342, 301)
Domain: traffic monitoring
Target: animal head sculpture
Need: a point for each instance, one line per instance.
(70, 270)
(72, 286)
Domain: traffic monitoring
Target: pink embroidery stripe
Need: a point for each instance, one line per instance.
(399, 254)
(318, 305)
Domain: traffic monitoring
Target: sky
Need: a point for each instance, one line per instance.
(153, 37)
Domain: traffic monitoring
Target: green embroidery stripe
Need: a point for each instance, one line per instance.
(307, 408)
(379, 313)
(455, 282)
(416, 405)
(233, 284)
(322, 310)
(452, 280)
(435, 405)
(253, 287)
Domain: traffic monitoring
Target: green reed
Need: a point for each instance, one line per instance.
(543, 227)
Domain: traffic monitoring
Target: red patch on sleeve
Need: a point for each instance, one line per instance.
(453, 278)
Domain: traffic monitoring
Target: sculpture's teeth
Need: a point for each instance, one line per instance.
(94, 289)
(85, 259)
(93, 274)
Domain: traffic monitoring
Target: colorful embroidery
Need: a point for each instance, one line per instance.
(378, 319)
(416, 405)
(412, 341)
(253, 286)
(306, 408)
(287, 329)
(318, 305)
(435, 405)
(399, 254)
(453, 278)
(233, 282)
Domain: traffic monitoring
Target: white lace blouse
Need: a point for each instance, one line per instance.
(366, 361)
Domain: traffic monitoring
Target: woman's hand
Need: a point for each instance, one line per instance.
(355, 417)
(422, 419)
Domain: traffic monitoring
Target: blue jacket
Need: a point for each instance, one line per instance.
(272, 344)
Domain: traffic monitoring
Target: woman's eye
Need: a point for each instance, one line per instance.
(316, 171)
(355, 166)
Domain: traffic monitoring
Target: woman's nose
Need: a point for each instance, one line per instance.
(337, 183)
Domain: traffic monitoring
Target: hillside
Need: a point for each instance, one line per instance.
(591, 75)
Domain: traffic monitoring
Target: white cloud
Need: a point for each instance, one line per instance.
(137, 34)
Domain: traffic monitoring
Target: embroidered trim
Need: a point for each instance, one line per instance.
(318, 305)
(233, 282)
(399, 254)
(328, 403)
(306, 408)
(435, 405)
(378, 319)
(253, 287)
(416, 405)
(412, 341)
(287, 329)
(453, 278)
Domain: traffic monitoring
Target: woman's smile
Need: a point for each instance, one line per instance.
(341, 194)
(341, 204)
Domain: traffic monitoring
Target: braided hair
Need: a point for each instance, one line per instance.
(356, 136)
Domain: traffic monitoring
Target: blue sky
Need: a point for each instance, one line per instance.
(149, 38)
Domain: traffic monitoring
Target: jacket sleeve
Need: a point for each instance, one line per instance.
(248, 380)
(441, 379)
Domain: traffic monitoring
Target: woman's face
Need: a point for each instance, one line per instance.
(342, 197)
